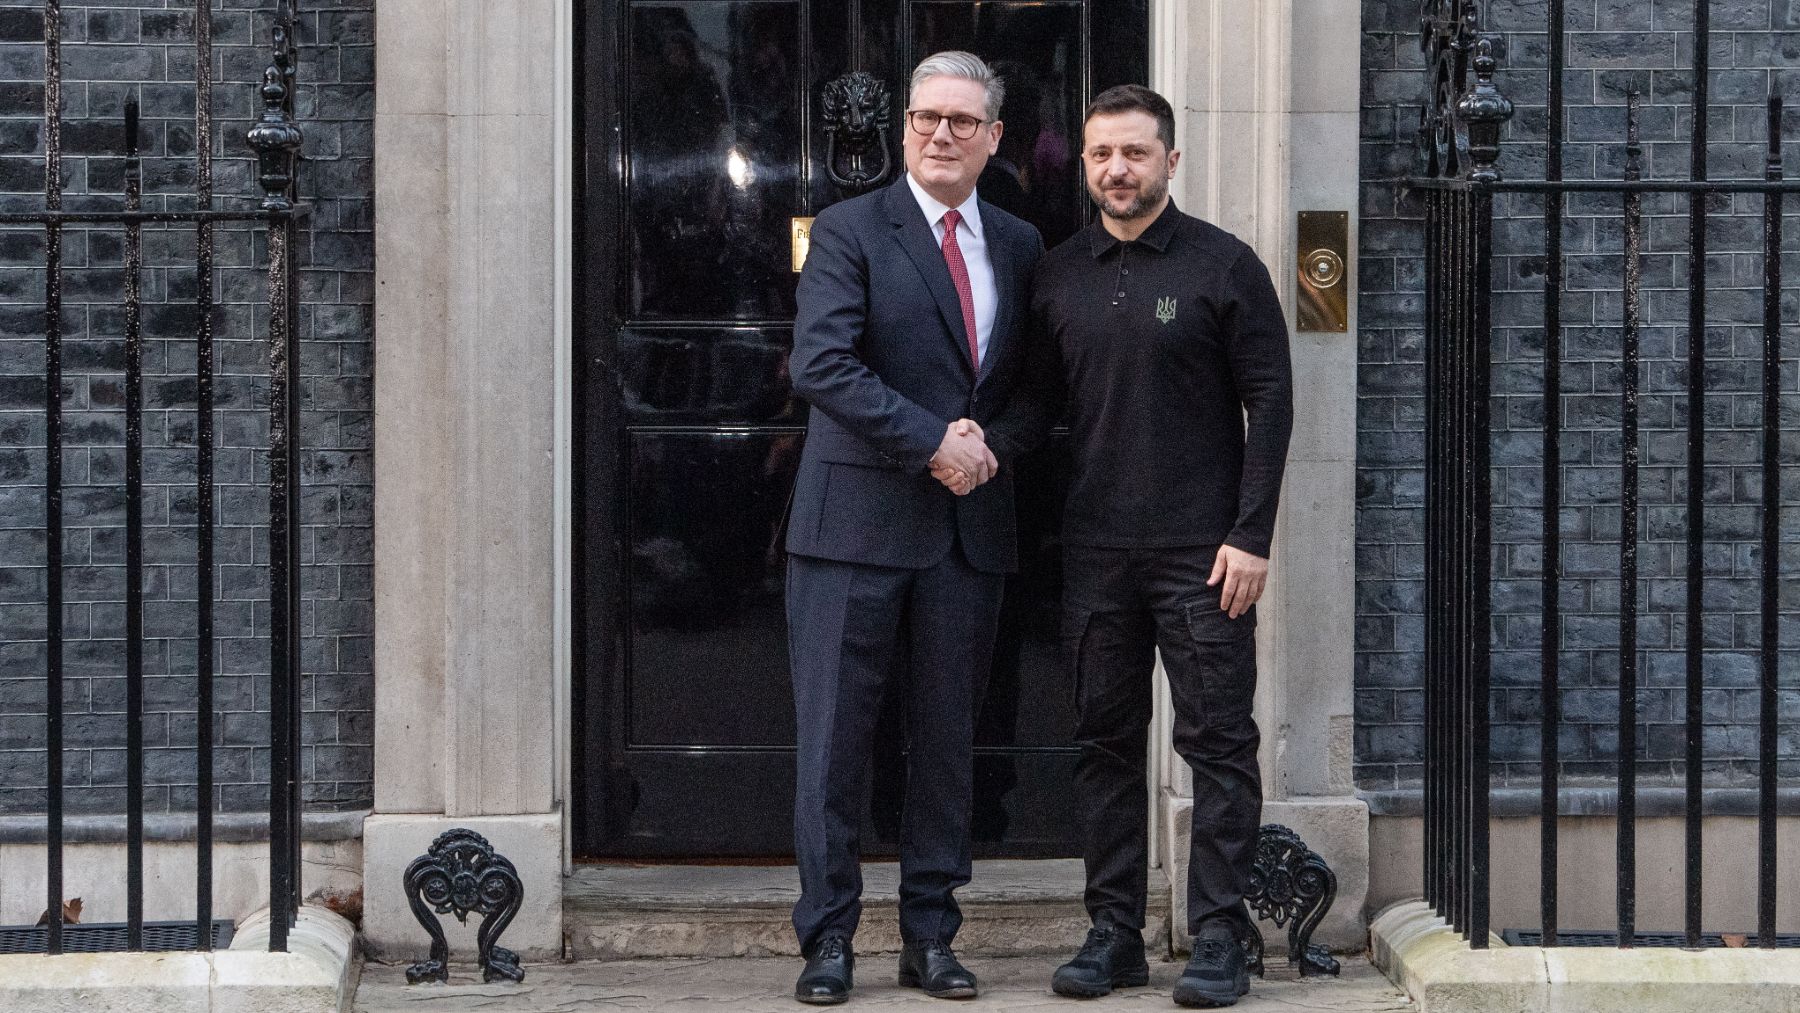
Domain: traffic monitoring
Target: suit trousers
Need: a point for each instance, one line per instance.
(850, 627)
(1119, 607)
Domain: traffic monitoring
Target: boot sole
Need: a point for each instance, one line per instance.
(960, 992)
(1136, 978)
(1193, 996)
(822, 1000)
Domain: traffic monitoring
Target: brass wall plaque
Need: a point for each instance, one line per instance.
(1324, 252)
(800, 232)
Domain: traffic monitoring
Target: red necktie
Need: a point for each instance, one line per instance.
(959, 275)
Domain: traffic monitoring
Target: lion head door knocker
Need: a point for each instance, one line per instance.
(462, 874)
(856, 131)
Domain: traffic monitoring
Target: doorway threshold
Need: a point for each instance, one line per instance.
(1012, 907)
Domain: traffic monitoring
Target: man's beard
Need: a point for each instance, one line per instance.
(1150, 194)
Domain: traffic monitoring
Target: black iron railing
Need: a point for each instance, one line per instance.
(276, 140)
(1460, 148)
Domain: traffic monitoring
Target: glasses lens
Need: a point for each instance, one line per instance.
(926, 122)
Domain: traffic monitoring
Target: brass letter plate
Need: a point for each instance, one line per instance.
(800, 232)
(1324, 251)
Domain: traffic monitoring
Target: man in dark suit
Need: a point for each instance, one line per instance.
(912, 306)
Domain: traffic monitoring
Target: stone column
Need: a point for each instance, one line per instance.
(1266, 100)
(467, 727)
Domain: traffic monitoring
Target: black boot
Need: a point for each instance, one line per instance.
(1112, 957)
(828, 976)
(932, 967)
(1217, 974)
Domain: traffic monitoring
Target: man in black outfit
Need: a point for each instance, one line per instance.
(1163, 333)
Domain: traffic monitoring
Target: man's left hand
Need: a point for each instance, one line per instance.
(1244, 575)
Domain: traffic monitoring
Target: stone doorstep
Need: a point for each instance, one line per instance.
(1421, 953)
(701, 985)
(318, 974)
(1011, 907)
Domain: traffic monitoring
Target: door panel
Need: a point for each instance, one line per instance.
(701, 136)
(698, 374)
(715, 159)
(708, 654)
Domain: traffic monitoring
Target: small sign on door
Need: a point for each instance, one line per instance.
(801, 235)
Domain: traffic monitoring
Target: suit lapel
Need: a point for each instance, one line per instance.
(916, 238)
(1006, 287)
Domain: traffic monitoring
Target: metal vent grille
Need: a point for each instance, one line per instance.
(109, 937)
(1534, 937)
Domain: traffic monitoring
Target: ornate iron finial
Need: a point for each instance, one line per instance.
(276, 137)
(462, 874)
(856, 128)
(1291, 886)
(1484, 110)
(1463, 110)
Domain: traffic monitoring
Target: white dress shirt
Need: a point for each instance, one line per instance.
(973, 243)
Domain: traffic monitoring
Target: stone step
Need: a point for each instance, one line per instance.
(1012, 907)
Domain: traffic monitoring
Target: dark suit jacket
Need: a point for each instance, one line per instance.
(881, 355)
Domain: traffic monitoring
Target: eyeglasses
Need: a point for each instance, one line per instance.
(925, 121)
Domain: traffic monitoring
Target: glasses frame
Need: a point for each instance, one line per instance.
(914, 126)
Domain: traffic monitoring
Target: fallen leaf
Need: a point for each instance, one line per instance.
(71, 913)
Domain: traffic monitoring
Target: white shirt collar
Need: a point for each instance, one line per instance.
(934, 211)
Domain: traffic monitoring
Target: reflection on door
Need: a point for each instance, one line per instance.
(703, 135)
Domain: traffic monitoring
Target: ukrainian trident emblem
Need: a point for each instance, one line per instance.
(1165, 309)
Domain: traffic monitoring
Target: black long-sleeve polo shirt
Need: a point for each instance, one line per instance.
(1172, 354)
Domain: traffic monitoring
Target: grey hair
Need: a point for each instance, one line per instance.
(969, 67)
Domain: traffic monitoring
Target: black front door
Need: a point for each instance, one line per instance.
(704, 135)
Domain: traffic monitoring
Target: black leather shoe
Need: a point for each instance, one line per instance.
(1112, 957)
(828, 977)
(932, 967)
(1217, 974)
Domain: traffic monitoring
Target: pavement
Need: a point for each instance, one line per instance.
(762, 985)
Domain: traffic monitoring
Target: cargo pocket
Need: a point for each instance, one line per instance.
(1075, 623)
(1224, 658)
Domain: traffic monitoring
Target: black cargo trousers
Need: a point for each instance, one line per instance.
(1119, 606)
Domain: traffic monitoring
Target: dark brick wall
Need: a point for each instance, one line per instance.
(1613, 48)
(144, 48)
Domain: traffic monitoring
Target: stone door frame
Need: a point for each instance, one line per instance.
(473, 385)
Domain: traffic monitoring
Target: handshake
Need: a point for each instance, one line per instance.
(963, 461)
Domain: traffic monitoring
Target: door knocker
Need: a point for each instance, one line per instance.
(856, 127)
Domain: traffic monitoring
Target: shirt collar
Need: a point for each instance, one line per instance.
(934, 211)
(1156, 237)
